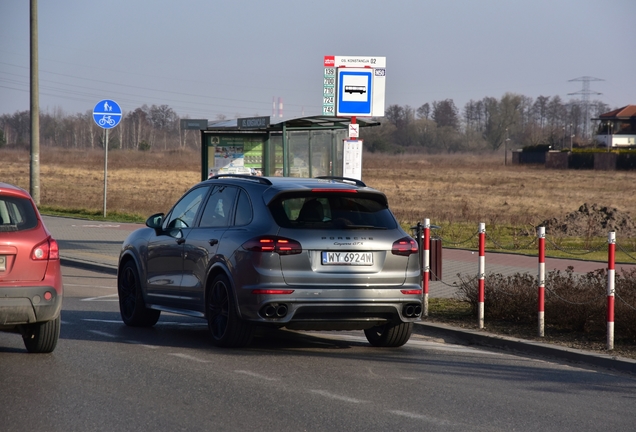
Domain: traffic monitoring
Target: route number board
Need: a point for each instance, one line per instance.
(329, 92)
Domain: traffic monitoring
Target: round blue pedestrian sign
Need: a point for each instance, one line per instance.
(107, 114)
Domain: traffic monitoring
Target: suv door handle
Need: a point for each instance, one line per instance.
(213, 242)
(180, 240)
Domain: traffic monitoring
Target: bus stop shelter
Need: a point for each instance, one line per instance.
(298, 147)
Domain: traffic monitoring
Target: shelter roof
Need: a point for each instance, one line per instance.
(311, 122)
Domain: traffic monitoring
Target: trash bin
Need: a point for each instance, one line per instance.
(435, 259)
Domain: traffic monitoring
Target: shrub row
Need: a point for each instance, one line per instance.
(573, 302)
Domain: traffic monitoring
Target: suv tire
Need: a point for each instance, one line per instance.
(391, 334)
(132, 306)
(226, 328)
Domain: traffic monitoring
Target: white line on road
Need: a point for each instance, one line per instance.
(182, 324)
(101, 333)
(255, 375)
(132, 342)
(87, 286)
(189, 357)
(103, 321)
(337, 397)
(101, 298)
(97, 226)
(429, 419)
(417, 343)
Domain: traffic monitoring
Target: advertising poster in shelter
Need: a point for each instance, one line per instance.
(234, 155)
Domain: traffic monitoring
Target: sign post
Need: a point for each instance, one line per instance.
(353, 87)
(107, 115)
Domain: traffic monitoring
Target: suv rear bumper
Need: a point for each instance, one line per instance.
(332, 314)
(27, 305)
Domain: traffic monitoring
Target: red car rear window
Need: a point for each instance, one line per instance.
(16, 214)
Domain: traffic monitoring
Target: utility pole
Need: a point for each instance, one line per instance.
(34, 187)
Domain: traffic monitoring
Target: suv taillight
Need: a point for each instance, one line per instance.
(47, 250)
(279, 245)
(404, 246)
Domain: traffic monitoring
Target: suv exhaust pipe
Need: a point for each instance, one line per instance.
(412, 310)
(274, 311)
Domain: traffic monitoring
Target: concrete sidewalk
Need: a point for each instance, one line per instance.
(96, 246)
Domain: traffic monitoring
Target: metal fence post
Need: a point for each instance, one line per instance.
(481, 274)
(541, 280)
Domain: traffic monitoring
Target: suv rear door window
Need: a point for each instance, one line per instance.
(219, 207)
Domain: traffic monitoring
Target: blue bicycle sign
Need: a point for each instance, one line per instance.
(107, 114)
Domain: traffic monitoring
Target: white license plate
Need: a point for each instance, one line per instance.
(347, 258)
(3, 263)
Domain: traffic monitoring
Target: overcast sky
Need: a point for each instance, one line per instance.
(206, 58)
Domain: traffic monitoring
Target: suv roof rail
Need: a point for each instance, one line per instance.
(257, 179)
(344, 180)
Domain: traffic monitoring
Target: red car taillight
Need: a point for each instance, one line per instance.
(47, 250)
(279, 245)
(404, 246)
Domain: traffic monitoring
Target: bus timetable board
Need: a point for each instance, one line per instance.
(354, 86)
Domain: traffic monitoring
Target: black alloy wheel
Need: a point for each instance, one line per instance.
(131, 302)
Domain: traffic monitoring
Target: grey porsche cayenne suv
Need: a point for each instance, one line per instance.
(301, 253)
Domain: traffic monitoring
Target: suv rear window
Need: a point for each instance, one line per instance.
(331, 211)
(16, 214)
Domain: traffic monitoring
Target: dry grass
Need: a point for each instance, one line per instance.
(444, 188)
(138, 183)
(479, 188)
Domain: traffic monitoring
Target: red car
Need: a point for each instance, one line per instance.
(30, 274)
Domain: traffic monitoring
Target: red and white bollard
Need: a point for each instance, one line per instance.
(427, 263)
(541, 280)
(481, 274)
(611, 290)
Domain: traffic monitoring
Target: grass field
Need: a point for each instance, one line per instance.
(444, 188)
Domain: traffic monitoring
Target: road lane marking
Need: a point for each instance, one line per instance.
(97, 226)
(87, 286)
(103, 321)
(101, 298)
(132, 342)
(160, 323)
(189, 357)
(255, 375)
(337, 397)
(417, 343)
(101, 333)
(429, 419)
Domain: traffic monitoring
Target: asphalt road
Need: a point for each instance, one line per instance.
(105, 376)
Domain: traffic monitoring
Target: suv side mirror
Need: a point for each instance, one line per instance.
(155, 221)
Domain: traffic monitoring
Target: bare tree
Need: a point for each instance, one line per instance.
(445, 114)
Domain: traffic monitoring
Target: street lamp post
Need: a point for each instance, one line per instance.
(506, 148)
(563, 142)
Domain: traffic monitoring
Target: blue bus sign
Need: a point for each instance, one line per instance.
(355, 92)
(107, 114)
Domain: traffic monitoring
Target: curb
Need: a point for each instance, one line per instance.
(89, 265)
(482, 338)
